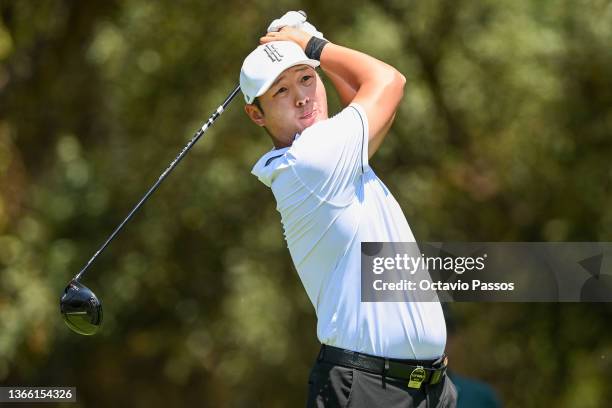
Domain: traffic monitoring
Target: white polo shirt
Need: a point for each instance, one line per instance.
(330, 201)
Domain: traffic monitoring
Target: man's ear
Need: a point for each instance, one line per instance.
(255, 114)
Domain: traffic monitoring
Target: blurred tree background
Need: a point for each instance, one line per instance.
(504, 135)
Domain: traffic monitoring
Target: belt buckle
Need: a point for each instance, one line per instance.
(417, 376)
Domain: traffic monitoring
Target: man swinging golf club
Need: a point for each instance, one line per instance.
(373, 354)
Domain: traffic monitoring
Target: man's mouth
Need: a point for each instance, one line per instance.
(309, 115)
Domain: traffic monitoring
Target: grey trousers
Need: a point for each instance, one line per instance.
(336, 386)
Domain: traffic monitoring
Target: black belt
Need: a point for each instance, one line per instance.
(417, 372)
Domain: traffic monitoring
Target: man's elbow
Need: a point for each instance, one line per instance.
(400, 82)
(395, 86)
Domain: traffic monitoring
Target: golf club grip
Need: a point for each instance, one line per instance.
(161, 178)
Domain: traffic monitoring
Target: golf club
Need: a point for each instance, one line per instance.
(80, 307)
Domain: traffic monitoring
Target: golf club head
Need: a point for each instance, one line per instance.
(81, 309)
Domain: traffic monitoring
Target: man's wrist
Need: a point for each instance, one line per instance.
(304, 42)
(314, 47)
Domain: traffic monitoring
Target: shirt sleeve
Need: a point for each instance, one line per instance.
(331, 155)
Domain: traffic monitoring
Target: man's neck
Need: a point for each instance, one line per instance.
(282, 143)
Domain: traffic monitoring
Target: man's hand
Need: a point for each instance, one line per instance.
(297, 20)
(292, 19)
(287, 33)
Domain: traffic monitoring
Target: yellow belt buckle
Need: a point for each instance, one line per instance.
(417, 376)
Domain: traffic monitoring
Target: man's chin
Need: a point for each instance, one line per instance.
(309, 121)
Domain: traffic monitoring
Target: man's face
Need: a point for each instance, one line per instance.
(295, 101)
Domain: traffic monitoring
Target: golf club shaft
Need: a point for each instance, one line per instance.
(161, 178)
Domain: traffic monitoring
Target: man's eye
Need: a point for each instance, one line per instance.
(306, 78)
(281, 90)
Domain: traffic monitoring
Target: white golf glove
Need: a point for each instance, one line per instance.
(294, 19)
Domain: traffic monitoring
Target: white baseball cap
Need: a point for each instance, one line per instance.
(262, 66)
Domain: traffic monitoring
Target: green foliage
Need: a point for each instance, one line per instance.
(504, 135)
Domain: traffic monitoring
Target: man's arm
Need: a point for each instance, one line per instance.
(345, 91)
(379, 87)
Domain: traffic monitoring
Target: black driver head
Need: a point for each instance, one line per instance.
(81, 309)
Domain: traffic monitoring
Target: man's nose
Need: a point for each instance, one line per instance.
(301, 100)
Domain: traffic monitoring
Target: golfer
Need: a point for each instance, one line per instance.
(373, 354)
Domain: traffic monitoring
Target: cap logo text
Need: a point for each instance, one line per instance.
(273, 53)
